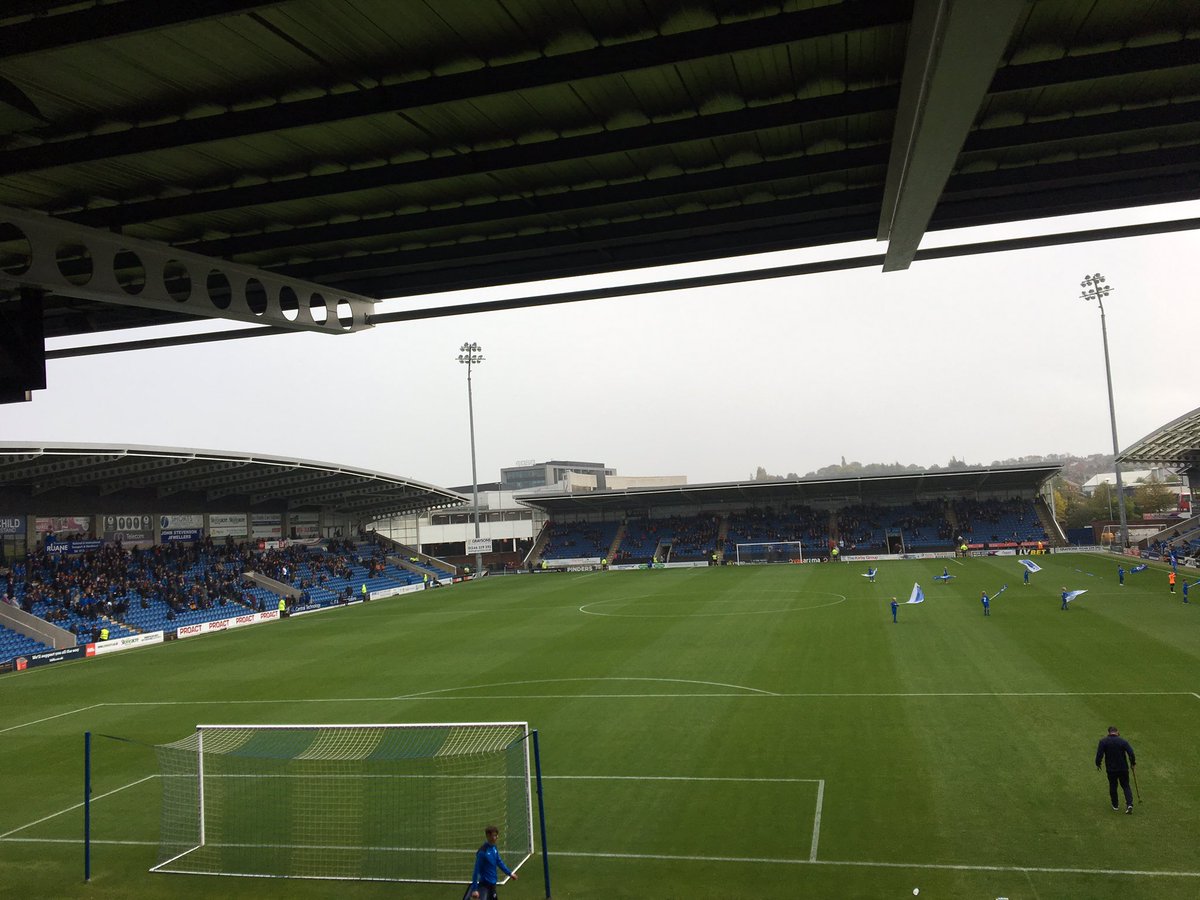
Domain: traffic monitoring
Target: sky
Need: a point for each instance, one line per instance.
(982, 358)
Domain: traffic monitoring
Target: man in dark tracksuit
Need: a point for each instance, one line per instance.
(1113, 749)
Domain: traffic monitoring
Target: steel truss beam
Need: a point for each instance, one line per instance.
(77, 261)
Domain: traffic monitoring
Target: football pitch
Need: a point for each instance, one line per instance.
(752, 732)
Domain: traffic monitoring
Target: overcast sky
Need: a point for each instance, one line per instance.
(983, 358)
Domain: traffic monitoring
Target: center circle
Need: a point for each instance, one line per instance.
(675, 608)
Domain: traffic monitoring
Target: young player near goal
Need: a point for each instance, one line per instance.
(487, 860)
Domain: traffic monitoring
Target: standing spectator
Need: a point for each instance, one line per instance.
(1113, 749)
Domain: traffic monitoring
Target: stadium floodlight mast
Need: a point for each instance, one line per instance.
(1096, 288)
(472, 354)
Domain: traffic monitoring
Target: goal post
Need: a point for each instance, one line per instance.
(769, 552)
(346, 802)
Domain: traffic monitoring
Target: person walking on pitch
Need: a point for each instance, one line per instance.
(1065, 598)
(487, 860)
(1121, 575)
(1113, 750)
(1171, 581)
(895, 606)
(1185, 591)
(987, 610)
(1026, 578)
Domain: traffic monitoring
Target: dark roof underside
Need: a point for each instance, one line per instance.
(394, 148)
(118, 475)
(880, 489)
(1175, 444)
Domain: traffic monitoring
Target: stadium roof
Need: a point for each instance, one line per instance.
(865, 489)
(1175, 444)
(285, 163)
(120, 475)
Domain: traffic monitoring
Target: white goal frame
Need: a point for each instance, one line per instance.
(458, 745)
(793, 550)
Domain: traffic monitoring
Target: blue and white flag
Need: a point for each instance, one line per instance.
(870, 573)
(999, 592)
(1071, 595)
(1030, 565)
(1140, 568)
(946, 578)
(918, 595)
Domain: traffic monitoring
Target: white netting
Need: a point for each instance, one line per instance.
(376, 802)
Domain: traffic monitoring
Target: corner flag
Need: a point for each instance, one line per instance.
(918, 595)
(1030, 565)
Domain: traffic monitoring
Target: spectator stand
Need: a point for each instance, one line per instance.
(767, 525)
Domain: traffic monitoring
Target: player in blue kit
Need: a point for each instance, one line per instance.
(487, 860)
(895, 606)
(987, 609)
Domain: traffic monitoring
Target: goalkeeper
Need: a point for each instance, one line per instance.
(487, 859)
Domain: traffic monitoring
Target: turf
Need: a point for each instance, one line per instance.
(690, 722)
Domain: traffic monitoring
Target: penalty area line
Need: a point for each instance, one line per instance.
(868, 864)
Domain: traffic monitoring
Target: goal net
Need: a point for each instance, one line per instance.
(776, 552)
(365, 802)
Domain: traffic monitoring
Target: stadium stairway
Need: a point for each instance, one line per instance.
(543, 538)
(616, 542)
(1049, 523)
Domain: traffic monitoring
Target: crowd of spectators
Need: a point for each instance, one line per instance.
(689, 537)
(87, 591)
(106, 581)
(767, 525)
(579, 540)
(860, 527)
(998, 521)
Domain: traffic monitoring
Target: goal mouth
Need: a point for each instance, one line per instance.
(374, 802)
(767, 553)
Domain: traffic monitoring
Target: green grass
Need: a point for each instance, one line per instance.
(688, 720)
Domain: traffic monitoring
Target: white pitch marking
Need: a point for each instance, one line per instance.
(20, 840)
(76, 806)
(666, 857)
(694, 615)
(812, 854)
(69, 712)
(471, 687)
(743, 692)
(867, 864)
(680, 778)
